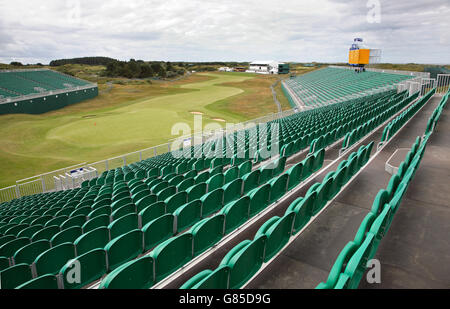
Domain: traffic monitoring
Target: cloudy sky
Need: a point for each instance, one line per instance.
(219, 30)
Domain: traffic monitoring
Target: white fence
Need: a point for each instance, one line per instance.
(443, 82)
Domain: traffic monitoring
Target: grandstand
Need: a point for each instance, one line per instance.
(201, 221)
(38, 91)
(334, 84)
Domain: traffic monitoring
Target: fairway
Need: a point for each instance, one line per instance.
(34, 144)
(149, 121)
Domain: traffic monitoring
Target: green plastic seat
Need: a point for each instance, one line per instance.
(166, 193)
(278, 231)
(9, 248)
(176, 201)
(28, 253)
(123, 225)
(236, 213)
(136, 274)
(339, 266)
(295, 175)
(196, 192)
(14, 276)
(251, 181)
(45, 282)
(303, 208)
(92, 267)
(94, 239)
(123, 211)
(244, 261)
(232, 191)
(187, 215)
(29, 231)
(74, 221)
(95, 223)
(51, 261)
(67, 235)
(124, 248)
(259, 199)
(207, 233)
(209, 280)
(212, 202)
(278, 188)
(171, 255)
(215, 182)
(152, 212)
(157, 231)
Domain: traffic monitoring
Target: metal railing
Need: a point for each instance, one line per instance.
(46, 94)
(443, 83)
(400, 72)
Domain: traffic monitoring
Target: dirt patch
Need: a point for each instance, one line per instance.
(197, 113)
(219, 120)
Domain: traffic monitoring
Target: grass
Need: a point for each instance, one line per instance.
(133, 115)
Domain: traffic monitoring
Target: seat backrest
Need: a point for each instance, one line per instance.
(136, 274)
(245, 262)
(212, 202)
(95, 223)
(171, 255)
(236, 213)
(28, 253)
(124, 248)
(45, 282)
(123, 225)
(97, 238)
(51, 261)
(175, 201)
(14, 276)
(259, 199)
(92, 266)
(158, 230)
(187, 215)
(207, 233)
(67, 235)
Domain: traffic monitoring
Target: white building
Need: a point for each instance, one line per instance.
(225, 69)
(264, 67)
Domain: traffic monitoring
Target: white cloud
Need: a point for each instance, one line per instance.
(194, 30)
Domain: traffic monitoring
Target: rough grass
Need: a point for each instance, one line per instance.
(128, 117)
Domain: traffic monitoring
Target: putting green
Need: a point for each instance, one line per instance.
(150, 119)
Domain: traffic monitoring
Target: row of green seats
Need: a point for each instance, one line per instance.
(156, 221)
(243, 261)
(351, 263)
(437, 113)
(399, 121)
(175, 252)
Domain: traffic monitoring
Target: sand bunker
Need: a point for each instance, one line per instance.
(197, 113)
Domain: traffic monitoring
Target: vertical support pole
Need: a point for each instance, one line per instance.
(43, 184)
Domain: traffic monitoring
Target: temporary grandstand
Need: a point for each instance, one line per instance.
(38, 91)
(337, 84)
(226, 222)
